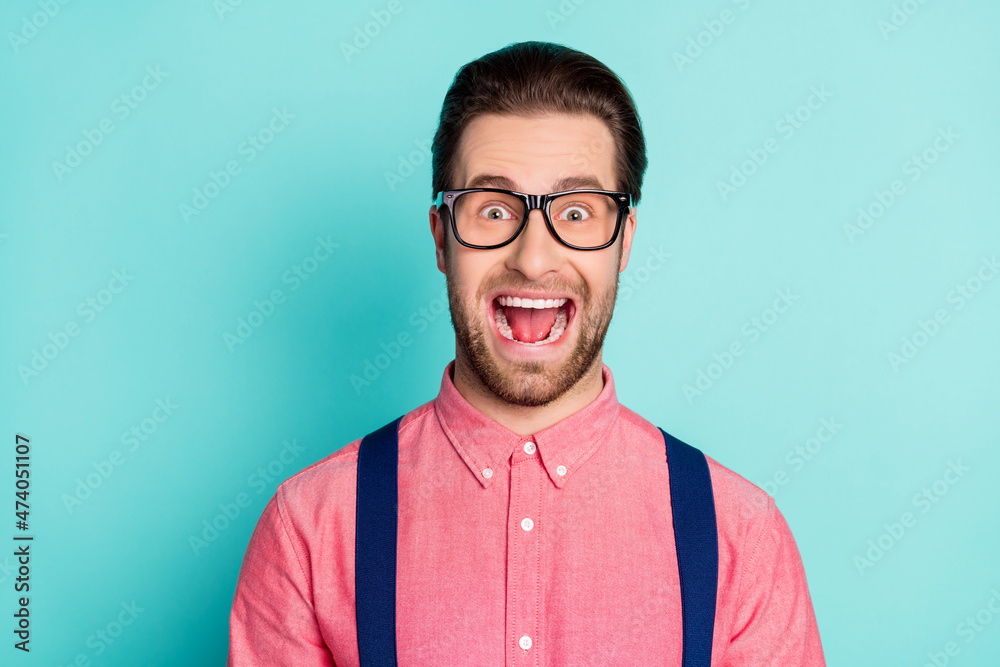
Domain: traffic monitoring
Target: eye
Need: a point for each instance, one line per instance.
(574, 213)
(496, 212)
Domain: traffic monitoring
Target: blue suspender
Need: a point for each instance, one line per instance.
(697, 545)
(375, 546)
(695, 540)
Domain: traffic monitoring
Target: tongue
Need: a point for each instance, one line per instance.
(530, 325)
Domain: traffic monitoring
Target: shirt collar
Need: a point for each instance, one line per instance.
(487, 446)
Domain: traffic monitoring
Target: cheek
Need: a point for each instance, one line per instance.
(600, 278)
(466, 276)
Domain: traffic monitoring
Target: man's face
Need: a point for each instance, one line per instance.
(535, 155)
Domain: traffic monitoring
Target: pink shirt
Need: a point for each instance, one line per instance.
(568, 542)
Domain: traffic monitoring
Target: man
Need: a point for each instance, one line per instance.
(534, 511)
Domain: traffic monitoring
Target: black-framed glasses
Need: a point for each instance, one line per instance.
(488, 218)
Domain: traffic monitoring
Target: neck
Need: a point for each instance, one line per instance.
(527, 420)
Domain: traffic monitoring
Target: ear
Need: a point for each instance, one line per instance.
(438, 232)
(628, 233)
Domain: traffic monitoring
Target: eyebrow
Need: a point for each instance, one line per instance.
(504, 183)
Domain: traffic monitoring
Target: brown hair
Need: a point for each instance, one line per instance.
(528, 78)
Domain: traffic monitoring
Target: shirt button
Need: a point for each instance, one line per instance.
(529, 448)
(487, 472)
(524, 642)
(527, 524)
(561, 471)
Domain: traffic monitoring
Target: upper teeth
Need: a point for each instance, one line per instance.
(518, 302)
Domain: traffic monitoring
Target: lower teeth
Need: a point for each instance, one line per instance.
(557, 328)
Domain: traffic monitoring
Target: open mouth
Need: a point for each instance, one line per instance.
(532, 322)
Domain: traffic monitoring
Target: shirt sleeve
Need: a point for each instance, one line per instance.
(273, 621)
(775, 623)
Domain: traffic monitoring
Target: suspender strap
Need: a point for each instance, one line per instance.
(697, 544)
(375, 546)
(695, 538)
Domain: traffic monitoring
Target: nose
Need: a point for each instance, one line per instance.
(535, 251)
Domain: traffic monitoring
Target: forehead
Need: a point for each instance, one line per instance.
(535, 152)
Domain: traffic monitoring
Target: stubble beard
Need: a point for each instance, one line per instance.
(530, 383)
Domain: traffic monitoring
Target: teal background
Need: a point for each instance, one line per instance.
(361, 116)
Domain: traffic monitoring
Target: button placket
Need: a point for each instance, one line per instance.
(523, 617)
